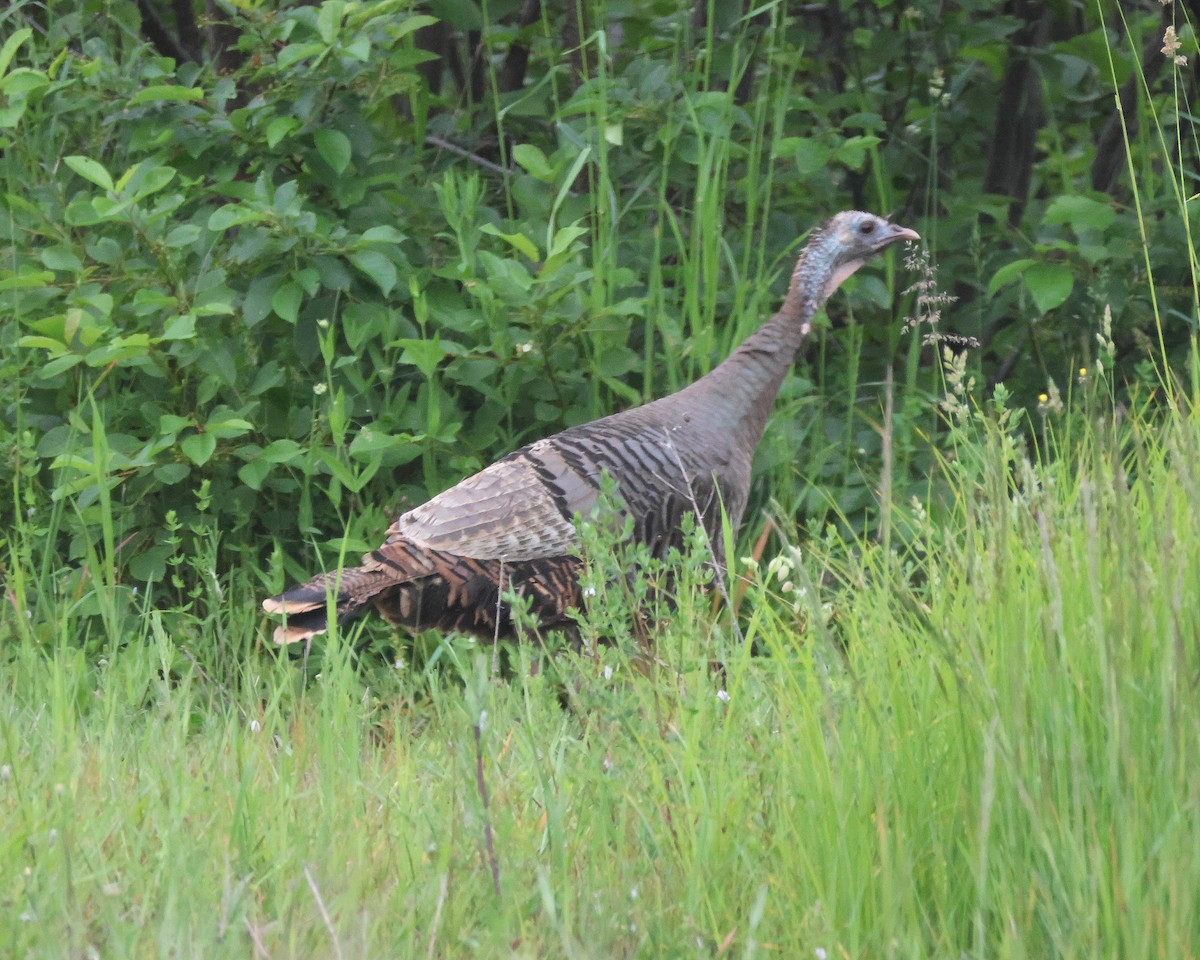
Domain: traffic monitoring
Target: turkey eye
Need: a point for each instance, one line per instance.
(867, 227)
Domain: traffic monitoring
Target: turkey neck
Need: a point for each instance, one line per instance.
(741, 390)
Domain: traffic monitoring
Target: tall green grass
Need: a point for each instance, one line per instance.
(983, 746)
(978, 742)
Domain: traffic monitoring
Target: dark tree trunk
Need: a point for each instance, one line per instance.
(512, 74)
(222, 40)
(1019, 110)
(1110, 147)
(156, 31)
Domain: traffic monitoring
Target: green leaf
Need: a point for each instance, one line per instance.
(853, 150)
(384, 233)
(376, 266)
(353, 480)
(170, 424)
(534, 162)
(43, 343)
(368, 442)
(617, 360)
(153, 303)
(254, 473)
(283, 450)
(410, 24)
(199, 448)
(214, 308)
(329, 20)
(425, 355)
(126, 177)
(286, 301)
(358, 49)
(517, 241)
(295, 52)
(182, 235)
(1081, 213)
(362, 321)
(48, 371)
(9, 50)
(105, 250)
(508, 278)
(90, 170)
(1049, 284)
(27, 280)
(808, 155)
(150, 565)
(22, 81)
(179, 328)
(170, 473)
(1007, 273)
(226, 427)
(279, 128)
(153, 180)
(168, 92)
(232, 215)
(11, 115)
(334, 148)
(61, 258)
(564, 237)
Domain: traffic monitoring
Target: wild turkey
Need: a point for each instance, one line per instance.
(442, 562)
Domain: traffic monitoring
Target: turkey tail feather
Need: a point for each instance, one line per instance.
(306, 605)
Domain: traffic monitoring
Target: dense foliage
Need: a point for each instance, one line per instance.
(271, 270)
(298, 265)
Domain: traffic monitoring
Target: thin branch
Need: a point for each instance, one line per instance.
(443, 889)
(499, 611)
(481, 783)
(259, 949)
(443, 144)
(312, 885)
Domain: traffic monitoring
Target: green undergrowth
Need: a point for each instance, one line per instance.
(943, 704)
(979, 744)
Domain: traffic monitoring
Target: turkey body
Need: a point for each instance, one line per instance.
(446, 563)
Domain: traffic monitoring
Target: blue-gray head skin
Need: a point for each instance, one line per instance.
(747, 381)
(835, 251)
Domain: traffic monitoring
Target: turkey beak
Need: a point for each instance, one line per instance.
(902, 233)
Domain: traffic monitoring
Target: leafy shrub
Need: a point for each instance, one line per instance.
(282, 281)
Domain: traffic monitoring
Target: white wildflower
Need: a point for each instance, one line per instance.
(1171, 43)
(780, 568)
